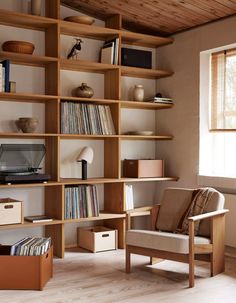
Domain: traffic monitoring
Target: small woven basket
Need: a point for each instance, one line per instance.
(22, 47)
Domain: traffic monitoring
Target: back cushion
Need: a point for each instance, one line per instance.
(174, 204)
(216, 202)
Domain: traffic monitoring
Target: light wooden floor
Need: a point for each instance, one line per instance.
(100, 278)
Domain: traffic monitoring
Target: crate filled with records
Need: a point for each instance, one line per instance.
(27, 264)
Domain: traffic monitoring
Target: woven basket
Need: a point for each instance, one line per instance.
(22, 47)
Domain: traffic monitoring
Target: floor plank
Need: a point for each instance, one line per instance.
(88, 278)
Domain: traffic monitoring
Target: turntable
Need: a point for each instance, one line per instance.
(19, 163)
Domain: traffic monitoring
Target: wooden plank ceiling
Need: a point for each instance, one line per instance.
(163, 17)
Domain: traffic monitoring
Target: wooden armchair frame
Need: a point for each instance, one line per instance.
(213, 252)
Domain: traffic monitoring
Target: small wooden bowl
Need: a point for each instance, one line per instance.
(80, 19)
(22, 47)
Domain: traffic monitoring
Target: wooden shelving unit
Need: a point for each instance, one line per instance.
(114, 184)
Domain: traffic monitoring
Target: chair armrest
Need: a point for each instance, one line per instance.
(152, 210)
(208, 215)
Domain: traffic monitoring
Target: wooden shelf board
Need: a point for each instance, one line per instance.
(74, 181)
(28, 60)
(87, 137)
(89, 100)
(16, 19)
(89, 31)
(30, 224)
(129, 71)
(25, 97)
(102, 216)
(141, 213)
(26, 185)
(86, 66)
(144, 40)
(132, 180)
(144, 105)
(137, 137)
(26, 135)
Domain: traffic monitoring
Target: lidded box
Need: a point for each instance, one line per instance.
(143, 168)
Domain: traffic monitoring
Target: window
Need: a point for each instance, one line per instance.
(223, 90)
(217, 115)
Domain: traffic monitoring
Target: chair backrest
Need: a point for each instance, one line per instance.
(175, 202)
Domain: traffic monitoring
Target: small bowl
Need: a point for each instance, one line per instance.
(22, 47)
(27, 125)
(80, 19)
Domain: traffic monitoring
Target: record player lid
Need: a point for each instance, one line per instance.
(21, 157)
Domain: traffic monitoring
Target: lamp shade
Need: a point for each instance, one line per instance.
(86, 154)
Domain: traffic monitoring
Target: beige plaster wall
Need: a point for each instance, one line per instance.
(183, 57)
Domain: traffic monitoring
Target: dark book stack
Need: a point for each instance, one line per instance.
(86, 119)
(160, 100)
(81, 202)
(5, 76)
(30, 246)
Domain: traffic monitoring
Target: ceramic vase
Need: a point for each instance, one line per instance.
(36, 6)
(84, 91)
(138, 93)
(27, 125)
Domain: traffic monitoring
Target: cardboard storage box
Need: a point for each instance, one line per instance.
(97, 238)
(25, 272)
(143, 168)
(11, 211)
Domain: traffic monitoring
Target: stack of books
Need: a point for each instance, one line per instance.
(86, 119)
(5, 76)
(109, 51)
(30, 246)
(129, 197)
(37, 219)
(81, 202)
(160, 100)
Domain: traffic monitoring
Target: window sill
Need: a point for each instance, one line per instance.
(218, 182)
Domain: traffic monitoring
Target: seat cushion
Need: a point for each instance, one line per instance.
(176, 243)
(174, 204)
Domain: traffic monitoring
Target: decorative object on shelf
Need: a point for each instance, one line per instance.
(141, 133)
(12, 87)
(75, 49)
(80, 19)
(84, 91)
(85, 156)
(36, 6)
(143, 168)
(27, 125)
(22, 47)
(138, 93)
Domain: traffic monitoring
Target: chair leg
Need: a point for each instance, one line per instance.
(127, 260)
(191, 271)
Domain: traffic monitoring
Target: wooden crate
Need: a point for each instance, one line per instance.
(97, 238)
(26, 272)
(143, 168)
(11, 211)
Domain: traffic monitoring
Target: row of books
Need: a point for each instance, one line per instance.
(5, 76)
(81, 202)
(109, 51)
(87, 119)
(129, 197)
(30, 246)
(160, 100)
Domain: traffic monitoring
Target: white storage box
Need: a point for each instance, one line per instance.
(97, 238)
(10, 211)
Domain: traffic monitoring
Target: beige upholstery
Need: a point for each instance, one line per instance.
(175, 243)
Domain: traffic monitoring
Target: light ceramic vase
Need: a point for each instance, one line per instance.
(36, 6)
(138, 93)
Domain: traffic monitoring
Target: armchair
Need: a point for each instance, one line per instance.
(164, 242)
